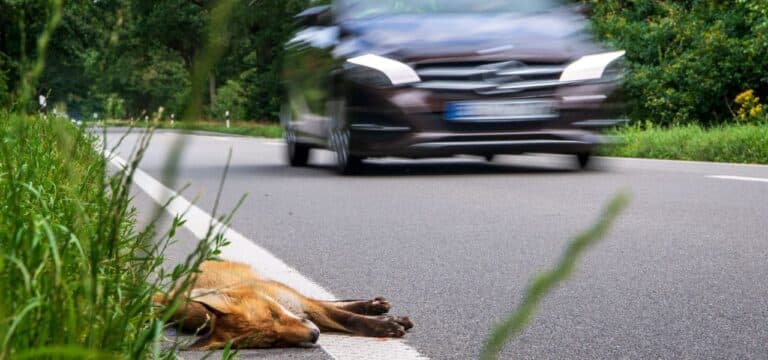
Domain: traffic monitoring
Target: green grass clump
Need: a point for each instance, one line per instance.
(736, 143)
(76, 277)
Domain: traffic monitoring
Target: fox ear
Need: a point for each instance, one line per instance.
(213, 300)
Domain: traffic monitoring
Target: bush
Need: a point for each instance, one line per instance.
(114, 107)
(688, 59)
(232, 98)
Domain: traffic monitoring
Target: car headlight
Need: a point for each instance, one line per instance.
(594, 67)
(380, 71)
(615, 71)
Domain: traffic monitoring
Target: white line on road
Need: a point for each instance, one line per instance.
(739, 178)
(243, 250)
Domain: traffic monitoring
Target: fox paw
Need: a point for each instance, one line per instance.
(404, 321)
(385, 328)
(377, 306)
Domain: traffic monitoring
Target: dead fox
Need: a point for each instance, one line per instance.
(231, 302)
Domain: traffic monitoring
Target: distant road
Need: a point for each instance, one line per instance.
(453, 243)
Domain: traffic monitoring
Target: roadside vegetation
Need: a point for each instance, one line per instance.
(733, 143)
(244, 128)
(76, 273)
(77, 276)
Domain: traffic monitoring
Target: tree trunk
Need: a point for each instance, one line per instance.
(212, 88)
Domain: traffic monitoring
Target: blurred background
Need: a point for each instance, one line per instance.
(690, 62)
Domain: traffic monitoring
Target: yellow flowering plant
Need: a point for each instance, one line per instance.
(750, 109)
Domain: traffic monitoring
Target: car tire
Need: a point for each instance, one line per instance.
(583, 159)
(297, 153)
(339, 140)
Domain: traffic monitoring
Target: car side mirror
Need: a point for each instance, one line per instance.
(315, 16)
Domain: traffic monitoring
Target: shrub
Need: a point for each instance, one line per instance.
(750, 108)
(687, 58)
(114, 107)
(232, 98)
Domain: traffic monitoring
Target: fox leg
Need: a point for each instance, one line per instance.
(191, 317)
(377, 306)
(332, 318)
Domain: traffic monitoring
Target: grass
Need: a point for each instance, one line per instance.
(77, 278)
(546, 282)
(76, 275)
(735, 143)
(245, 128)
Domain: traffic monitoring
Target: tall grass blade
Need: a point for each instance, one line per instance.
(546, 282)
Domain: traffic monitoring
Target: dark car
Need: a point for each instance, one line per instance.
(426, 78)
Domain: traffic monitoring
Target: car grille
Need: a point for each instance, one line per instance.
(490, 78)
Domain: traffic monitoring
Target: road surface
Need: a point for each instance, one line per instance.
(453, 243)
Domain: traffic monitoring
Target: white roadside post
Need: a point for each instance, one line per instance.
(226, 114)
(43, 105)
(173, 119)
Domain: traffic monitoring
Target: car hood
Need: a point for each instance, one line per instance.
(554, 36)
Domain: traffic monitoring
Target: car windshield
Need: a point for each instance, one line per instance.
(361, 9)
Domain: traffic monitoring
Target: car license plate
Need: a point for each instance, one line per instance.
(499, 111)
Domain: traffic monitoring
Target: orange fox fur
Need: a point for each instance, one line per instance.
(236, 305)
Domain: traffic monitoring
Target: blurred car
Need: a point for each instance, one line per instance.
(425, 78)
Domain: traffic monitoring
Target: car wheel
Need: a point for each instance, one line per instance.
(297, 153)
(583, 159)
(339, 139)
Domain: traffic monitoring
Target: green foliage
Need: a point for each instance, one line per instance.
(114, 107)
(159, 80)
(546, 282)
(733, 143)
(144, 51)
(687, 59)
(5, 96)
(264, 26)
(230, 97)
(77, 279)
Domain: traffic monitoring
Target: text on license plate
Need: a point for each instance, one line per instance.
(499, 110)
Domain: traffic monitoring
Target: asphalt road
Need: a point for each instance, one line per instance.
(453, 243)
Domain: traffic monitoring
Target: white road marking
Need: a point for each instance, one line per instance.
(739, 178)
(243, 250)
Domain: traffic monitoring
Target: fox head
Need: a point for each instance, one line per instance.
(249, 319)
